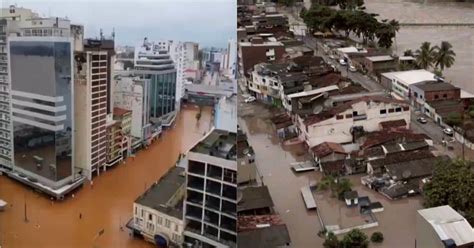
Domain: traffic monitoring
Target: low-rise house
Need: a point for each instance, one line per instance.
(284, 126)
(158, 213)
(442, 227)
(327, 152)
(439, 111)
(264, 83)
(255, 201)
(431, 91)
(305, 102)
(351, 198)
(394, 125)
(376, 65)
(337, 124)
(377, 164)
(400, 82)
(245, 160)
(257, 51)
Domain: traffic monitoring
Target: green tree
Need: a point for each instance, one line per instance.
(350, 4)
(287, 2)
(454, 119)
(331, 241)
(444, 56)
(355, 239)
(452, 184)
(338, 186)
(377, 237)
(425, 55)
(408, 52)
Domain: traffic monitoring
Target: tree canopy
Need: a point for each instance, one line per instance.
(452, 184)
(355, 239)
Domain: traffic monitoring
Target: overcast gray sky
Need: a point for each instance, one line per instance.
(209, 22)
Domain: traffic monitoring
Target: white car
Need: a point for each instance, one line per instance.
(342, 62)
(332, 56)
(448, 131)
(352, 68)
(250, 99)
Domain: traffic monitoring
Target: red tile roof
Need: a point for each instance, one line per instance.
(250, 222)
(385, 136)
(394, 123)
(327, 148)
(120, 111)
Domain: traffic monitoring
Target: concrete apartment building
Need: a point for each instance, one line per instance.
(133, 94)
(400, 81)
(91, 111)
(158, 213)
(124, 118)
(338, 123)
(184, 55)
(210, 205)
(153, 61)
(442, 227)
(257, 51)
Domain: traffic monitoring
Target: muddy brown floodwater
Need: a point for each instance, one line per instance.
(107, 206)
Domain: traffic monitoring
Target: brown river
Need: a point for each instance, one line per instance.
(107, 206)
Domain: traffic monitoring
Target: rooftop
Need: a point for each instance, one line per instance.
(268, 236)
(380, 58)
(121, 111)
(449, 224)
(255, 198)
(436, 86)
(446, 107)
(158, 196)
(394, 123)
(218, 143)
(327, 148)
(314, 92)
(412, 168)
(411, 77)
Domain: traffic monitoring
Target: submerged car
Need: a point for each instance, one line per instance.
(448, 131)
(422, 120)
(250, 99)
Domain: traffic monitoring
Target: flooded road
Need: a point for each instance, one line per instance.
(432, 11)
(107, 206)
(273, 162)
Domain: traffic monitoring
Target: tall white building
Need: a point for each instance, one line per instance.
(185, 55)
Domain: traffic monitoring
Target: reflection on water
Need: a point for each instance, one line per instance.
(108, 205)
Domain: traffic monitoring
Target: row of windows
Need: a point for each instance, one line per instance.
(394, 110)
(166, 223)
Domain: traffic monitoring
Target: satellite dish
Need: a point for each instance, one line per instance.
(318, 109)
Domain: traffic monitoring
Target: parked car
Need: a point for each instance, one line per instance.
(448, 131)
(250, 99)
(342, 62)
(352, 68)
(422, 120)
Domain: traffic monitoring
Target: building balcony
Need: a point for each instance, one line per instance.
(195, 183)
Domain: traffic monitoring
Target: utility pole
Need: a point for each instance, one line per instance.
(26, 214)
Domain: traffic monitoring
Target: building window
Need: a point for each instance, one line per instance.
(167, 223)
(406, 108)
(176, 228)
(143, 213)
(436, 96)
(445, 95)
(383, 111)
(339, 117)
(416, 94)
(398, 109)
(391, 110)
(150, 217)
(348, 116)
(160, 220)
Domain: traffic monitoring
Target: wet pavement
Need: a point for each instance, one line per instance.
(107, 206)
(273, 162)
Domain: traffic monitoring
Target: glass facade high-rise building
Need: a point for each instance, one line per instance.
(42, 107)
(153, 62)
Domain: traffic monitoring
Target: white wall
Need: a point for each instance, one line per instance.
(129, 95)
(338, 131)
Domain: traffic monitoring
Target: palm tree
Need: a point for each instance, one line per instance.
(444, 56)
(425, 55)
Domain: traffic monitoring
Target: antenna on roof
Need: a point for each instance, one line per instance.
(113, 34)
(101, 35)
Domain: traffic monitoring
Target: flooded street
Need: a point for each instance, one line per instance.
(107, 206)
(432, 11)
(273, 164)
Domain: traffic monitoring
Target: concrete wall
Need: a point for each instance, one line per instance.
(339, 131)
(426, 237)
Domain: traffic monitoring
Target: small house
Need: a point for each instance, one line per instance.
(351, 198)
